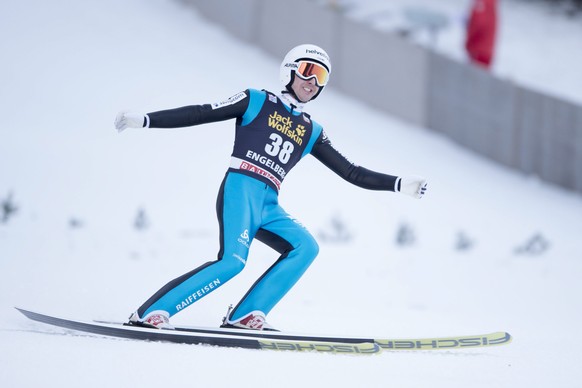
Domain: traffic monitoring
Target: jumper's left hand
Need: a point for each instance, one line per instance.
(414, 186)
(127, 119)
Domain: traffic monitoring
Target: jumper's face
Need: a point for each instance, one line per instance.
(304, 89)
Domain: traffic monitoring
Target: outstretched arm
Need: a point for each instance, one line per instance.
(324, 151)
(185, 116)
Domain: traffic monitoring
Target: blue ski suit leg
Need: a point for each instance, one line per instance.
(247, 208)
(298, 249)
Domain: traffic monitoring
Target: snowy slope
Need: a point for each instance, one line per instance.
(72, 249)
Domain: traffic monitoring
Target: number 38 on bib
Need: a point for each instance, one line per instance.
(279, 148)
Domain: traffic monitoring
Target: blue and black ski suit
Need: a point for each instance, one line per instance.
(271, 138)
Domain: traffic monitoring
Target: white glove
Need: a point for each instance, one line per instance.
(127, 119)
(415, 186)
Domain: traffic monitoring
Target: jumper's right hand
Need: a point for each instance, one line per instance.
(127, 119)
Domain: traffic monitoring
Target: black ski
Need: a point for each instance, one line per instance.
(213, 339)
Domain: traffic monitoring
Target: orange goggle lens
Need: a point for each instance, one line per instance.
(308, 70)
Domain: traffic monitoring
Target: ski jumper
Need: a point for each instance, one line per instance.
(271, 138)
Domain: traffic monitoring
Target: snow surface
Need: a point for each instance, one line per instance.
(72, 249)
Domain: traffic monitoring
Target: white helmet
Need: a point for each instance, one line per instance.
(307, 52)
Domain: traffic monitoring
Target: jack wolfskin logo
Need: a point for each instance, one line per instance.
(284, 124)
(300, 130)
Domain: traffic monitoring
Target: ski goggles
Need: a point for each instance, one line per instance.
(307, 70)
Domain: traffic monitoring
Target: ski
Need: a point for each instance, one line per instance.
(274, 340)
(194, 338)
(454, 342)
